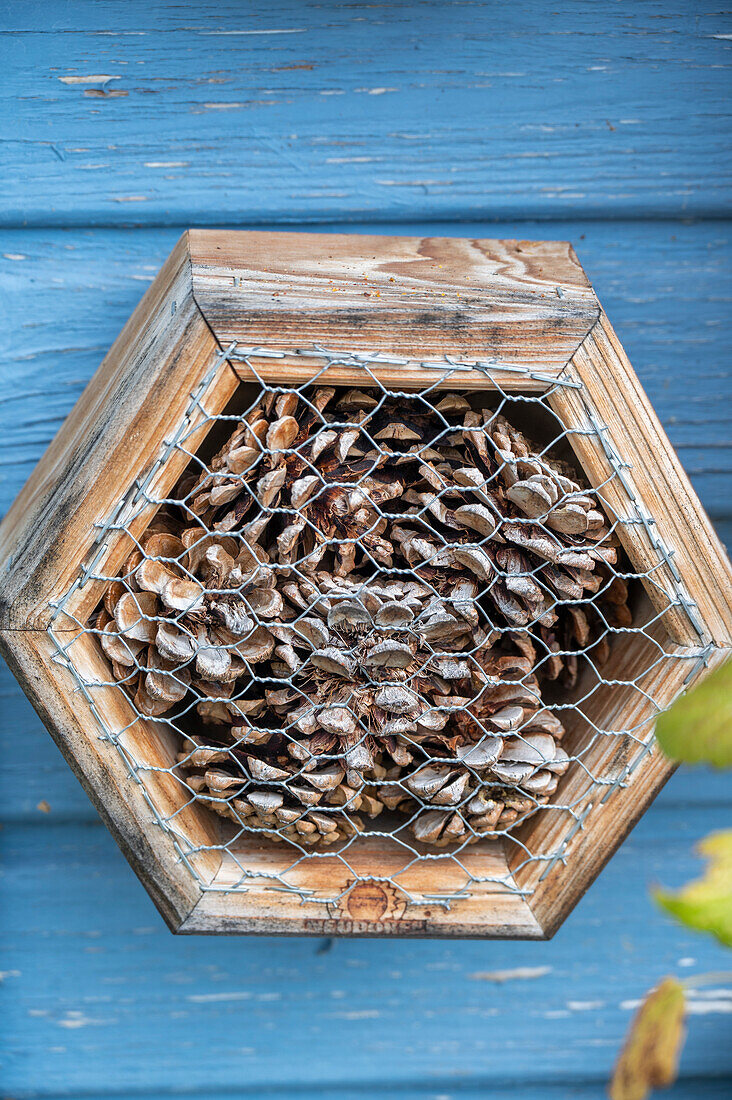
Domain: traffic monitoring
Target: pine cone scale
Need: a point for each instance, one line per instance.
(358, 606)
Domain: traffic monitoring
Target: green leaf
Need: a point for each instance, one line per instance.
(649, 1060)
(698, 727)
(706, 903)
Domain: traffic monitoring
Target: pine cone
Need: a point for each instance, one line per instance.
(400, 575)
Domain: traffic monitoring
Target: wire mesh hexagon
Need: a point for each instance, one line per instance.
(375, 612)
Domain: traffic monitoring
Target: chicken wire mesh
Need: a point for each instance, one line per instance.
(367, 611)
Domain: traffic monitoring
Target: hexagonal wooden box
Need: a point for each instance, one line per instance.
(231, 315)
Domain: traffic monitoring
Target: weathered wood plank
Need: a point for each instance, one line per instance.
(688, 1088)
(114, 434)
(419, 298)
(528, 304)
(653, 485)
(191, 114)
(34, 774)
(607, 111)
(115, 789)
(93, 981)
(92, 281)
(643, 274)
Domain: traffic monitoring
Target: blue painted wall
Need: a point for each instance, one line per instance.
(607, 124)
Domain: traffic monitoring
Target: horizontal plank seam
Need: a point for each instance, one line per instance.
(422, 215)
(369, 1085)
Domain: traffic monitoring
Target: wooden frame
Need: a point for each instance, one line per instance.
(529, 308)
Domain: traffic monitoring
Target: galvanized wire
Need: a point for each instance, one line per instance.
(192, 698)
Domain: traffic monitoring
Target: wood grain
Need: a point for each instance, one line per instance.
(528, 303)
(113, 435)
(608, 113)
(646, 671)
(381, 894)
(120, 801)
(49, 781)
(519, 303)
(642, 271)
(613, 398)
(95, 987)
(418, 111)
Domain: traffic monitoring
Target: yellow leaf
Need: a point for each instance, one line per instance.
(698, 727)
(706, 903)
(649, 1060)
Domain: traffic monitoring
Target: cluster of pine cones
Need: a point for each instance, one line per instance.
(354, 610)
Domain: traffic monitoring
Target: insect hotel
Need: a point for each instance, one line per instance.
(353, 585)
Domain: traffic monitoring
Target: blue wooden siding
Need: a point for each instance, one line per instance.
(605, 124)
